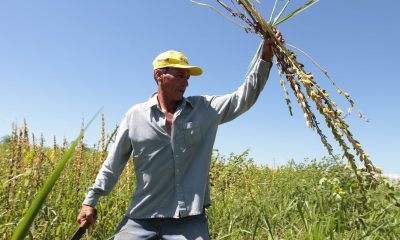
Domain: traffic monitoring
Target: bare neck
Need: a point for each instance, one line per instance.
(166, 103)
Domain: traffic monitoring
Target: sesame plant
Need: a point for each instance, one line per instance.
(305, 88)
(308, 200)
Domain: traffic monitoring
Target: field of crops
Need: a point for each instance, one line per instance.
(312, 200)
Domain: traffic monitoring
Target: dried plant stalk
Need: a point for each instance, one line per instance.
(305, 88)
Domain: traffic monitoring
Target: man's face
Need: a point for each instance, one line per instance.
(173, 83)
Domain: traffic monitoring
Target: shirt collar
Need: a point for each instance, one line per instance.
(153, 102)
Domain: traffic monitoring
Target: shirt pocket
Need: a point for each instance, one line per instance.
(192, 133)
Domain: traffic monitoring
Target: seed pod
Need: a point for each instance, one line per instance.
(363, 157)
(303, 104)
(349, 110)
(300, 96)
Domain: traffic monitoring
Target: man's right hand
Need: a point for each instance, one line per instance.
(87, 216)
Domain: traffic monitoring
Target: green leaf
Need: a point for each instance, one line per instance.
(299, 10)
(272, 12)
(29, 156)
(23, 227)
(281, 12)
(256, 56)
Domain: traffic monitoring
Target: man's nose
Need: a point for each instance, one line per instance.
(185, 81)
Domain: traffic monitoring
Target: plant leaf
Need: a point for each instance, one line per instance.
(23, 226)
(281, 12)
(256, 56)
(272, 12)
(299, 10)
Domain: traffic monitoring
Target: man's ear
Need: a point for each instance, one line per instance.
(158, 75)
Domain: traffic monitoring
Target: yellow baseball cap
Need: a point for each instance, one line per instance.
(175, 59)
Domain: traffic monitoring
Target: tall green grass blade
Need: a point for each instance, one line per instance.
(256, 56)
(254, 233)
(281, 12)
(272, 12)
(24, 225)
(268, 224)
(300, 210)
(369, 233)
(297, 11)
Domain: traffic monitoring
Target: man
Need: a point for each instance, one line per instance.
(171, 139)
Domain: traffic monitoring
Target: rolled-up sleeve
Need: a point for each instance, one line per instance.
(113, 166)
(232, 105)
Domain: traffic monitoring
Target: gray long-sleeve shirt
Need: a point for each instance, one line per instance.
(172, 172)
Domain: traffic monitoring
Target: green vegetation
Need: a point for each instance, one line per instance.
(311, 200)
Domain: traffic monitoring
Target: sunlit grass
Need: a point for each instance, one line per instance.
(311, 200)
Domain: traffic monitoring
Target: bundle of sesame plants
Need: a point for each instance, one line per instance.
(311, 97)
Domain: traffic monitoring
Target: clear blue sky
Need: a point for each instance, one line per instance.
(60, 61)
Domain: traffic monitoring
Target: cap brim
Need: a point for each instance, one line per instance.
(193, 70)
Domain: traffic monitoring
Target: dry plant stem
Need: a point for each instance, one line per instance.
(325, 72)
(20, 152)
(241, 16)
(338, 124)
(214, 9)
(31, 164)
(25, 137)
(297, 77)
(111, 138)
(285, 91)
(332, 117)
(103, 145)
(41, 160)
(308, 114)
(78, 160)
(54, 150)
